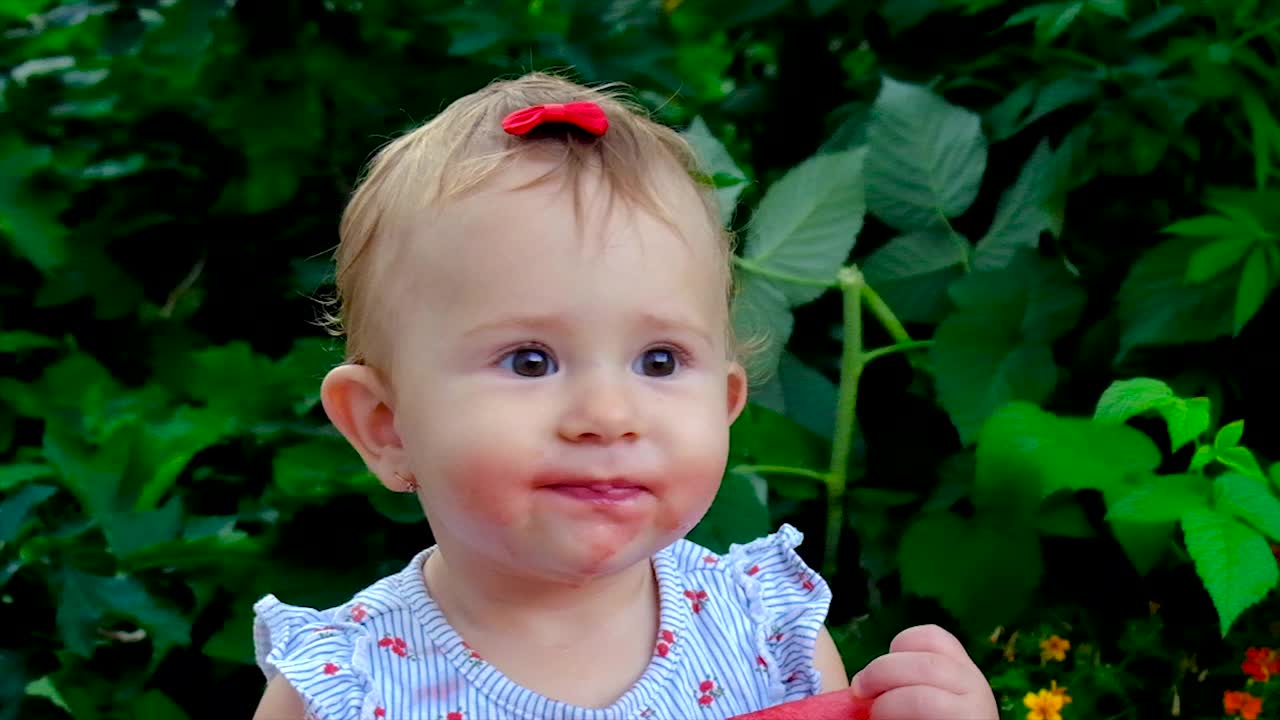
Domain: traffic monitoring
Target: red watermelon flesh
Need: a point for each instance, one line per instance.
(836, 705)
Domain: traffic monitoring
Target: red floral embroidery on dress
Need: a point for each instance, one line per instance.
(331, 669)
(455, 715)
(708, 691)
(710, 559)
(359, 612)
(754, 569)
(762, 664)
(396, 645)
(473, 657)
(666, 639)
(805, 582)
(792, 678)
(775, 634)
(379, 712)
(697, 596)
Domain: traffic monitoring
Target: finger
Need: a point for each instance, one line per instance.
(903, 669)
(921, 702)
(930, 638)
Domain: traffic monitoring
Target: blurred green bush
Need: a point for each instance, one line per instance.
(1057, 224)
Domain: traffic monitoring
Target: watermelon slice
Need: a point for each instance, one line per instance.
(835, 705)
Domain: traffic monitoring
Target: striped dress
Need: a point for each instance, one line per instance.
(737, 634)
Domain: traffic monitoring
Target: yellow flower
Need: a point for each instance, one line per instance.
(1044, 705)
(1054, 648)
(671, 5)
(1060, 692)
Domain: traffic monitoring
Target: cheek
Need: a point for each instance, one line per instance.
(470, 474)
(694, 478)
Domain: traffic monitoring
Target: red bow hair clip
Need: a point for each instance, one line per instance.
(586, 116)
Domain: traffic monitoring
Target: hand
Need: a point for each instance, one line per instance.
(927, 675)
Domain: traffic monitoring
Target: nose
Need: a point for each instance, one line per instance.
(600, 409)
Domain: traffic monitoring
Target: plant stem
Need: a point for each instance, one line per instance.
(852, 360)
(752, 266)
(898, 347)
(784, 470)
(885, 315)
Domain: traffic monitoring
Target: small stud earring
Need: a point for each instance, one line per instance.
(410, 484)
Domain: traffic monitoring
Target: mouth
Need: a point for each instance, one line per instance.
(599, 491)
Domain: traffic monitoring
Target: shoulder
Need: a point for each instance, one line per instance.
(778, 601)
(318, 661)
(768, 570)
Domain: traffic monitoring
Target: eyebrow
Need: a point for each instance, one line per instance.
(548, 323)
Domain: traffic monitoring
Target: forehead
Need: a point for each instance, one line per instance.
(498, 243)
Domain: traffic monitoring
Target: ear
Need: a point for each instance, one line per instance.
(358, 402)
(737, 390)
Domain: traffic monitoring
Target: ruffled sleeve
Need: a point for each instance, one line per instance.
(788, 603)
(324, 654)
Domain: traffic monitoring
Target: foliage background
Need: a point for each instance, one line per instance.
(172, 173)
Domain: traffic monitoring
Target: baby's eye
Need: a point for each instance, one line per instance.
(658, 362)
(529, 362)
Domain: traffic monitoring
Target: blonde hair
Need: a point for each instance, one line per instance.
(465, 146)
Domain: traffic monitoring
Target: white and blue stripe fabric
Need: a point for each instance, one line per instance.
(737, 634)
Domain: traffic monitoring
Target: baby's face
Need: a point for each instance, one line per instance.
(563, 389)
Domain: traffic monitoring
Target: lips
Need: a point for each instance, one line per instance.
(606, 491)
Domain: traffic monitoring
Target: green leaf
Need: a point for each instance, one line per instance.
(1264, 129)
(86, 602)
(130, 532)
(321, 467)
(155, 705)
(1027, 452)
(809, 397)
(926, 157)
(15, 341)
(169, 445)
(1156, 21)
(1157, 308)
(1022, 214)
(1064, 518)
(1210, 226)
(739, 513)
(1114, 8)
(11, 476)
(822, 7)
(1217, 257)
(1229, 435)
(1124, 399)
(763, 436)
(1205, 454)
(15, 511)
(913, 271)
(982, 569)
(1241, 460)
(762, 321)
(233, 642)
(716, 161)
(1250, 500)
(1052, 19)
(1234, 562)
(30, 219)
(1162, 499)
(996, 347)
(235, 380)
(1255, 285)
(807, 222)
(44, 688)
(906, 14)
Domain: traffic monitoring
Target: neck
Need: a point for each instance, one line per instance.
(477, 596)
